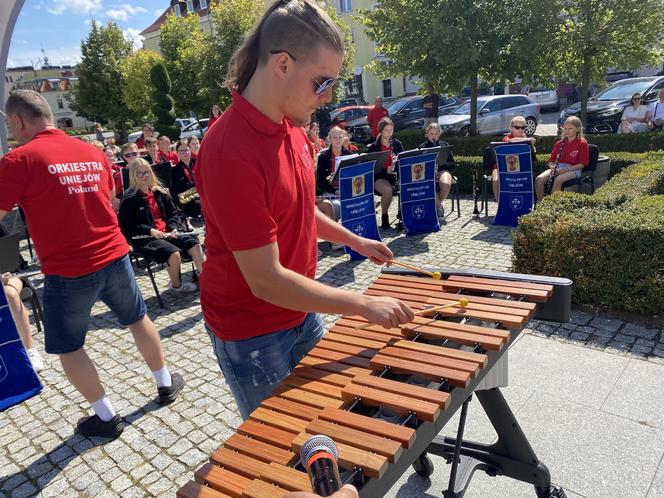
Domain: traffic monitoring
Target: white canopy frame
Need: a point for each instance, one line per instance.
(9, 11)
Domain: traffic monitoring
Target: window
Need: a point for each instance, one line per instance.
(190, 5)
(345, 6)
(203, 4)
(493, 106)
(61, 104)
(413, 105)
(387, 88)
(509, 102)
(176, 10)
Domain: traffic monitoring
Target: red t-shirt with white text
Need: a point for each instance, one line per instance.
(575, 152)
(64, 186)
(257, 186)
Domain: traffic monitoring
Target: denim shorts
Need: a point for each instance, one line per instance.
(253, 367)
(68, 302)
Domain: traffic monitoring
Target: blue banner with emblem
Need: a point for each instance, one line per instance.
(356, 187)
(417, 193)
(18, 380)
(515, 176)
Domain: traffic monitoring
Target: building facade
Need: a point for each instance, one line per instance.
(179, 8)
(365, 83)
(54, 90)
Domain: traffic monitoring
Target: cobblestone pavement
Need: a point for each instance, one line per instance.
(161, 447)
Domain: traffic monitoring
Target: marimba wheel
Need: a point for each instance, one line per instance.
(423, 466)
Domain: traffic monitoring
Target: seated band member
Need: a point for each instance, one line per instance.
(517, 134)
(574, 157)
(183, 180)
(348, 144)
(165, 152)
(148, 132)
(13, 287)
(313, 132)
(148, 209)
(385, 180)
(194, 145)
(152, 149)
(325, 169)
(444, 174)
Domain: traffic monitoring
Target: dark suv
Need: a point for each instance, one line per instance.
(605, 109)
(406, 113)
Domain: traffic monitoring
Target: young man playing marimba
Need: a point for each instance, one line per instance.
(257, 185)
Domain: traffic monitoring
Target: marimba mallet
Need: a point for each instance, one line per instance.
(436, 275)
(462, 303)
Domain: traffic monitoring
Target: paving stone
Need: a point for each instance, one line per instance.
(639, 331)
(579, 336)
(624, 338)
(24, 491)
(609, 324)
(192, 457)
(160, 487)
(85, 480)
(580, 318)
(121, 483)
(13, 482)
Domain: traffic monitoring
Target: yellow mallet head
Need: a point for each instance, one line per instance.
(437, 275)
(463, 302)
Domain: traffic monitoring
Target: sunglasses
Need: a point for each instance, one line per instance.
(131, 154)
(319, 88)
(517, 127)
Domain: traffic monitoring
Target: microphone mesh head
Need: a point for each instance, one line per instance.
(315, 444)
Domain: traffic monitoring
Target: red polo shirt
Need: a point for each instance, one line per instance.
(374, 116)
(63, 185)
(257, 186)
(171, 157)
(575, 152)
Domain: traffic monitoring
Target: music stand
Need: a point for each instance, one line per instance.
(444, 152)
(379, 157)
(163, 173)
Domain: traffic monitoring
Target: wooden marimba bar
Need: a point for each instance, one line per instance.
(383, 395)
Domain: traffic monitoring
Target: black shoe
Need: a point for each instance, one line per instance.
(94, 426)
(385, 222)
(168, 394)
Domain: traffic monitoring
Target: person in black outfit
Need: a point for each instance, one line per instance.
(149, 220)
(325, 168)
(385, 180)
(444, 174)
(430, 105)
(182, 179)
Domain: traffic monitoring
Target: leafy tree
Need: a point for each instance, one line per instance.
(449, 43)
(136, 85)
(163, 104)
(595, 35)
(232, 20)
(347, 68)
(98, 94)
(188, 54)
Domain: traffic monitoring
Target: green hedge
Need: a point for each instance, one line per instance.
(473, 146)
(610, 244)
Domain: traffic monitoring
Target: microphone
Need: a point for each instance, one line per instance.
(319, 456)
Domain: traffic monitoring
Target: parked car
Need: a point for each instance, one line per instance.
(546, 97)
(194, 129)
(339, 117)
(351, 101)
(494, 114)
(181, 123)
(406, 113)
(605, 109)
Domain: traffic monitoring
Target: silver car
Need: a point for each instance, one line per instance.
(494, 114)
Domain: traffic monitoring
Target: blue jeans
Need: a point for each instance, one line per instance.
(254, 367)
(68, 302)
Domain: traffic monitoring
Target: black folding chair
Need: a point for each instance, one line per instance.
(587, 173)
(10, 261)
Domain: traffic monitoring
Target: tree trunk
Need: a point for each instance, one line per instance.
(585, 85)
(473, 103)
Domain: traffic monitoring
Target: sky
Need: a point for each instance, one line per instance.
(59, 26)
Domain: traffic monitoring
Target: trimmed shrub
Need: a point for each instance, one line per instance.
(610, 244)
(163, 103)
(473, 146)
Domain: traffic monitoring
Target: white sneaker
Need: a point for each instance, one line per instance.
(184, 287)
(36, 359)
(440, 212)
